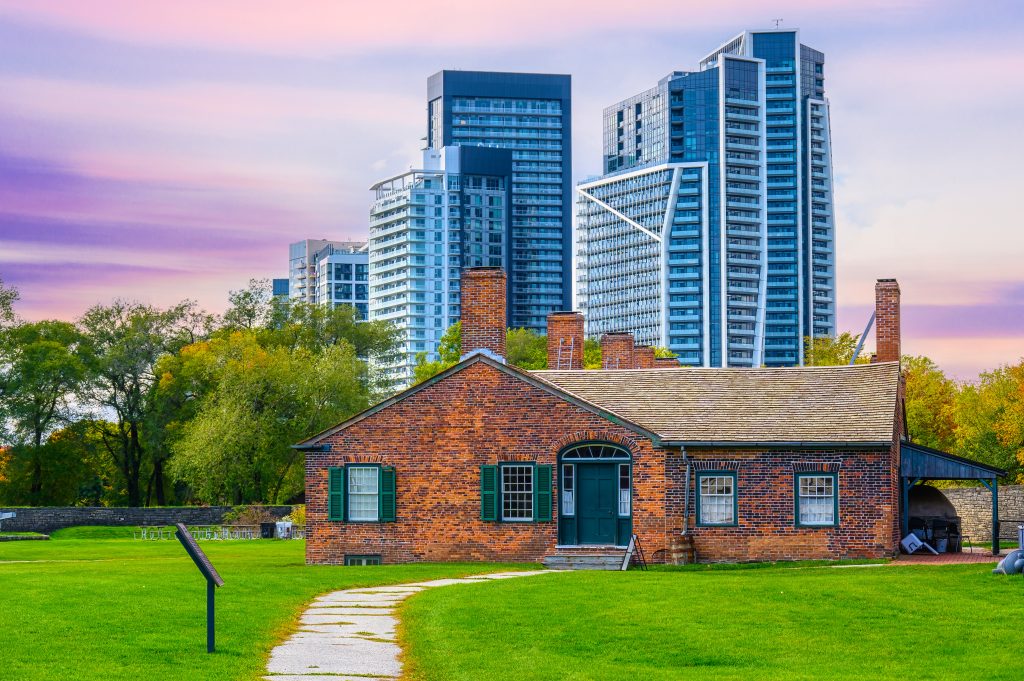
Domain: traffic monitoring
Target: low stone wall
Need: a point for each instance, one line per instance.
(974, 506)
(46, 519)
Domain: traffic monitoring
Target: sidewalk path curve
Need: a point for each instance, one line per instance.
(350, 635)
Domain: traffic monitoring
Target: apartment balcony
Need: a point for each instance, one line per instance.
(731, 116)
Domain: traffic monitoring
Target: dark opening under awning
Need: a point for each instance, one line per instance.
(919, 463)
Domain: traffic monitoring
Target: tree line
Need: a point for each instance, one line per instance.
(135, 405)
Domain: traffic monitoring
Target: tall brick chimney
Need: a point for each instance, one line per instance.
(565, 340)
(483, 311)
(617, 351)
(643, 357)
(887, 321)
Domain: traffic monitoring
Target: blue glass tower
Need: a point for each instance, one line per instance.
(530, 114)
(711, 230)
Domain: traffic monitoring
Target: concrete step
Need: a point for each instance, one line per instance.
(583, 561)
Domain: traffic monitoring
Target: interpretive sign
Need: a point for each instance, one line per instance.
(213, 578)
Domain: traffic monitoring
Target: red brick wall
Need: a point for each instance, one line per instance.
(565, 332)
(437, 439)
(887, 321)
(617, 351)
(666, 363)
(483, 310)
(766, 513)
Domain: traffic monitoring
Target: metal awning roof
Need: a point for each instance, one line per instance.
(925, 463)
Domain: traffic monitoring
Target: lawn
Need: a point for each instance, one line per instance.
(778, 623)
(93, 604)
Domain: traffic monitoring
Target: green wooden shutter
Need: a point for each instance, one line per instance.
(489, 493)
(542, 493)
(387, 494)
(336, 493)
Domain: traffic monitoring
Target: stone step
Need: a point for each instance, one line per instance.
(583, 561)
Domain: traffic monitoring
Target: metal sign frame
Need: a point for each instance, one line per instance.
(213, 578)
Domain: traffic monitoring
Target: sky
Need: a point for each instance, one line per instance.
(158, 150)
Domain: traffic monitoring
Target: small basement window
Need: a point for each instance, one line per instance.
(817, 499)
(372, 559)
(517, 493)
(716, 499)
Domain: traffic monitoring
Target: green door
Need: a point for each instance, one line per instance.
(597, 506)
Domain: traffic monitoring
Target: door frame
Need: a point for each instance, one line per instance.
(581, 454)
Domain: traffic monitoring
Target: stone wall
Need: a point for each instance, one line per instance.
(46, 519)
(974, 506)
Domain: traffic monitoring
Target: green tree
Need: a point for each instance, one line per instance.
(592, 353)
(42, 365)
(664, 353)
(250, 307)
(449, 350)
(931, 404)
(251, 404)
(127, 340)
(822, 351)
(526, 349)
(989, 418)
(8, 296)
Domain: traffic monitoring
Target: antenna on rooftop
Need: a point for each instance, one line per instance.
(777, 22)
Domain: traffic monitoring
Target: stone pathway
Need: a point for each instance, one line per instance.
(350, 635)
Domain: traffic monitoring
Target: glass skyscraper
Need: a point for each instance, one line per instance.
(711, 230)
(531, 115)
(426, 225)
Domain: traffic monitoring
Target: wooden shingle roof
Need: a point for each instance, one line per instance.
(853, 405)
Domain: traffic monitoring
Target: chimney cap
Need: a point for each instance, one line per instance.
(561, 312)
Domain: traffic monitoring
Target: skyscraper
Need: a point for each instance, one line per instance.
(328, 273)
(531, 115)
(426, 225)
(711, 230)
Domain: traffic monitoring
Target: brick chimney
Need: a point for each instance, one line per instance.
(483, 311)
(887, 321)
(617, 351)
(666, 363)
(643, 357)
(565, 340)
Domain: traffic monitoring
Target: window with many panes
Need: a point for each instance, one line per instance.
(716, 498)
(624, 491)
(362, 493)
(568, 489)
(516, 492)
(817, 499)
(373, 559)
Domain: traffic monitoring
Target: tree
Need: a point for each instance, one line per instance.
(989, 419)
(591, 354)
(664, 353)
(128, 339)
(42, 365)
(250, 307)
(526, 349)
(822, 351)
(250, 404)
(931, 403)
(449, 350)
(8, 296)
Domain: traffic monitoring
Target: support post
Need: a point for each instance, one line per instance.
(904, 507)
(995, 516)
(211, 589)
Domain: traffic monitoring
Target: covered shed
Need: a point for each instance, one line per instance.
(919, 464)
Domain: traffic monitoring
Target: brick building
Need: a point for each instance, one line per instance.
(489, 462)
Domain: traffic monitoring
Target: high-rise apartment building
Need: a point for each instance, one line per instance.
(529, 114)
(711, 231)
(426, 225)
(329, 273)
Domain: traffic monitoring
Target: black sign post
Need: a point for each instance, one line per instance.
(213, 580)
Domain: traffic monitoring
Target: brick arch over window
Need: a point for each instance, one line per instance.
(582, 436)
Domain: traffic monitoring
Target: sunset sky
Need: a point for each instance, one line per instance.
(170, 150)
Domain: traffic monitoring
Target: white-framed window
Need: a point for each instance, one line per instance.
(517, 493)
(624, 490)
(363, 489)
(817, 499)
(568, 489)
(716, 499)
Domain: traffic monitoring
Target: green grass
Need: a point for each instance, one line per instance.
(20, 534)
(90, 604)
(775, 622)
